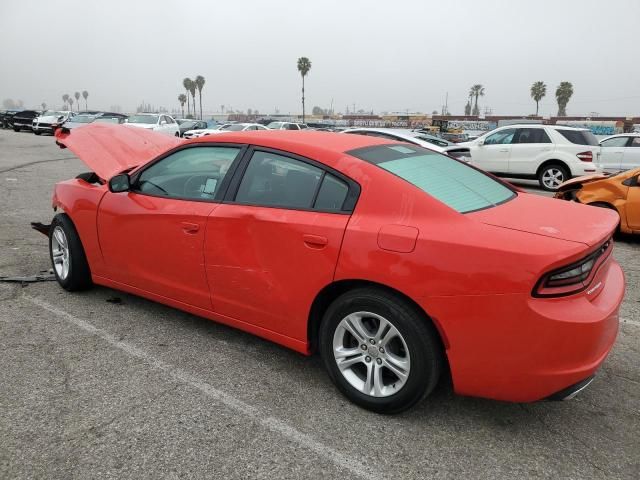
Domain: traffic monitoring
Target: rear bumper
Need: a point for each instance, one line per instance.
(522, 349)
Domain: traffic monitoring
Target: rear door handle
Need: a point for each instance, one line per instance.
(315, 241)
(190, 227)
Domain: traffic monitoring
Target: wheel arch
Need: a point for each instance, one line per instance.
(332, 291)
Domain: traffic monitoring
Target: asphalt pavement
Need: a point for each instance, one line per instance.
(102, 384)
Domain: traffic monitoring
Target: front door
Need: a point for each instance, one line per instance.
(492, 153)
(274, 243)
(152, 237)
(529, 147)
(631, 157)
(612, 152)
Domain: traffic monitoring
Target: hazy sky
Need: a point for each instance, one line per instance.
(380, 55)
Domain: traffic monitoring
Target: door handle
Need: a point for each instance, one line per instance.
(315, 241)
(190, 227)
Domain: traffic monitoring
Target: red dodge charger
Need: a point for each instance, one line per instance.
(398, 264)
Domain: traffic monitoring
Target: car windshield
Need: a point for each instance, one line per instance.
(236, 127)
(454, 183)
(434, 140)
(150, 119)
(107, 120)
(52, 113)
(188, 124)
(275, 125)
(82, 119)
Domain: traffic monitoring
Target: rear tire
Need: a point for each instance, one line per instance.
(551, 176)
(67, 255)
(391, 361)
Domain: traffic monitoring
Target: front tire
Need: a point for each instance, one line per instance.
(67, 255)
(35, 132)
(552, 176)
(379, 350)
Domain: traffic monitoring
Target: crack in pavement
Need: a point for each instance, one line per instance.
(28, 164)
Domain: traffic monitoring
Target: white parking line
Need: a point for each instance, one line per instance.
(254, 413)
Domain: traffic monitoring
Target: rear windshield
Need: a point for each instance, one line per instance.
(580, 137)
(455, 184)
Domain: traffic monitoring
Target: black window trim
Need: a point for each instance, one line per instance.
(348, 205)
(242, 148)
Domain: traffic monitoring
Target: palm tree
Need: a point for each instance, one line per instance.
(304, 65)
(65, 99)
(192, 91)
(476, 91)
(182, 98)
(85, 95)
(563, 95)
(70, 100)
(44, 106)
(538, 92)
(199, 85)
(77, 95)
(186, 83)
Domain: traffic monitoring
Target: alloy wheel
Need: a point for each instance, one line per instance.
(552, 178)
(60, 253)
(371, 354)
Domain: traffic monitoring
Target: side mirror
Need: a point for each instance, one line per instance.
(163, 122)
(119, 183)
(480, 142)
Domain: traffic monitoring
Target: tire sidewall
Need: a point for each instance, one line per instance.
(79, 276)
(420, 379)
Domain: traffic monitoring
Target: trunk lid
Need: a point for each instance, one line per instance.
(581, 180)
(553, 218)
(111, 149)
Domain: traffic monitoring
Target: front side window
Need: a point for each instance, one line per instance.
(635, 142)
(454, 183)
(501, 138)
(192, 173)
(276, 180)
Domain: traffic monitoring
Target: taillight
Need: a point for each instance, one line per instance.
(575, 277)
(585, 156)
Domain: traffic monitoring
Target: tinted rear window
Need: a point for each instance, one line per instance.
(580, 137)
(455, 184)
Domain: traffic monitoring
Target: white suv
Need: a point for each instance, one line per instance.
(286, 126)
(160, 123)
(549, 153)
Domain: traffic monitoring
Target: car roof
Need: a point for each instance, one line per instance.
(300, 142)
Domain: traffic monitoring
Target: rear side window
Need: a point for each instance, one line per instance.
(333, 192)
(580, 137)
(275, 180)
(455, 184)
(532, 135)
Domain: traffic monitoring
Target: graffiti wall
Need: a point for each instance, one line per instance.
(596, 127)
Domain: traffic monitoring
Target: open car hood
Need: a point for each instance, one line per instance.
(110, 149)
(581, 180)
(553, 218)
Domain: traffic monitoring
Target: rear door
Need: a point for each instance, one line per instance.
(492, 153)
(152, 237)
(529, 148)
(274, 243)
(612, 153)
